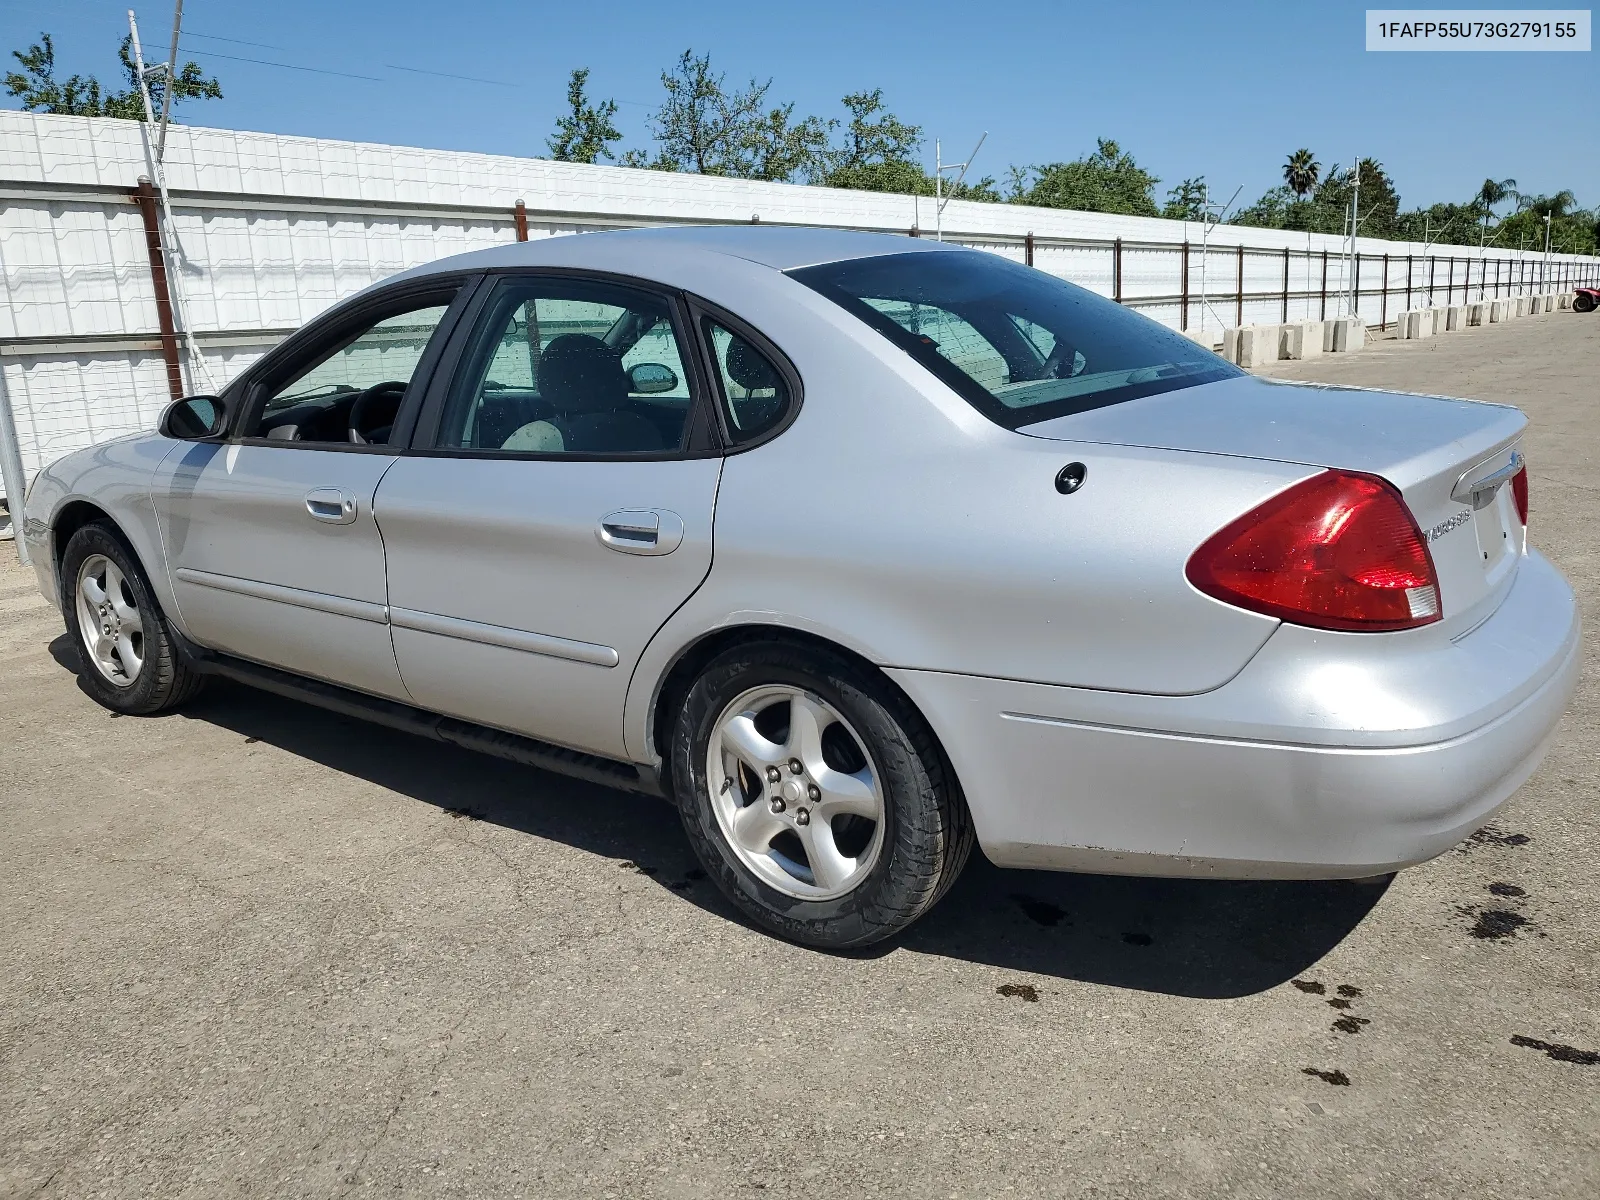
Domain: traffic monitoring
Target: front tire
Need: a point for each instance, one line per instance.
(816, 796)
(1583, 302)
(128, 657)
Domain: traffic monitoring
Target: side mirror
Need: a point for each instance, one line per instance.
(194, 419)
(649, 378)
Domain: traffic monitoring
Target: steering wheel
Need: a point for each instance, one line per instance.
(389, 392)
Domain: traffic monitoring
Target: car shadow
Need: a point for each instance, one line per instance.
(1201, 938)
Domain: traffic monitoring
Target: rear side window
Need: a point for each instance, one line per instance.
(754, 394)
(1020, 345)
(565, 366)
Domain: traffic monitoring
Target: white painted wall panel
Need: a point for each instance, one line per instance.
(256, 256)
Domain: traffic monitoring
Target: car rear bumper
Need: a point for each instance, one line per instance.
(1324, 757)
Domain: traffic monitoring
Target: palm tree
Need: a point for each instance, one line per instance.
(1301, 172)
(1491, 193)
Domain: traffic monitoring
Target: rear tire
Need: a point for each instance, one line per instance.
(1583, 303)
(129, 661)
(816, 796)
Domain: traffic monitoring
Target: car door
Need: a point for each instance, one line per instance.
(556, 511)
(273, 550)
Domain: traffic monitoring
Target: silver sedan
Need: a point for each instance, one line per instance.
(859, 549)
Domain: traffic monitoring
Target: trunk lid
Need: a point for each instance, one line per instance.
(1434, 449)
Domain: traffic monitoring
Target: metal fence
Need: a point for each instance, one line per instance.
(271, 230)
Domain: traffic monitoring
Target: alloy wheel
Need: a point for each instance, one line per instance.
(109, 621)
(795, 792)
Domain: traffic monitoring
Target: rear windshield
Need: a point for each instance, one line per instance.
(1021, 346)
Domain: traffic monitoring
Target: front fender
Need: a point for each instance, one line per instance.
(114, 478)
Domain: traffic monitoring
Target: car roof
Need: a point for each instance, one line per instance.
(782, 248)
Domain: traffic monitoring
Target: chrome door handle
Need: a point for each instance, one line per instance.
(332, 505)
(641, 531)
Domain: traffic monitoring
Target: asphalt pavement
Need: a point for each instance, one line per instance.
(255, 949)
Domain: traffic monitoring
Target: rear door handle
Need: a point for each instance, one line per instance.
(641, 531)
(333, 505)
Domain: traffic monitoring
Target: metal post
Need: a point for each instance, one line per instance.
(1355, 288)
(1322, 312)
(1027, 247)
(1286, 285)
(1183, 283)
(1238, 306)
(1116, 270)
(11, 471)
(145, 196)
(1409, 265)
(520, 213)
(1450, 288)
(1383, 302)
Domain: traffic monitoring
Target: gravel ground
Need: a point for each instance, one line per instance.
(255, 949)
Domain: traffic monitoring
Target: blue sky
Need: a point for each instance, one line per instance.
(1225, 89)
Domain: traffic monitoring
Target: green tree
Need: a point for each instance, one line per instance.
(878, 153)
(1186, 202)
(1570, 227)
(1301, 172)
(777, 147)
(1109, 180)
(585, 133)
(84, 95)
(701, 125)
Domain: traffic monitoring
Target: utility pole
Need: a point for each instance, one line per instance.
(1355, 220)
(172, 75)
(199, 373)
(939, 168)
(1544, 270)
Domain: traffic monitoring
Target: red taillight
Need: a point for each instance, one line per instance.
(1519, 493)
(1337, 551)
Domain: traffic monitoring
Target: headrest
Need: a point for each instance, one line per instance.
(580, 373)
(748, 369)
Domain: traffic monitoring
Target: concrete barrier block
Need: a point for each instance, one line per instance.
(1258, 345)
(1404, 324)
(1524, 306)
(1345, 335)
(1564, 301)
(1205, 337)
(1497, 312)
(1422, 323)
(1301, 339)
(1549, 302)
(1439, 313)
(1455, 317)
(1230, 345)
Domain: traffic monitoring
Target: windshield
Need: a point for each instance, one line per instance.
(1021, 346)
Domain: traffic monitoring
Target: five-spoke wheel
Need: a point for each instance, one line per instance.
(130, 658)
(815, 795)
(109, 621)
(794, 792)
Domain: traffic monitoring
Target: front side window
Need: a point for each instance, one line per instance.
(560, 366)
(352, 393)
(1020, 345)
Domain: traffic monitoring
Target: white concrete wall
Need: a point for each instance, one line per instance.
(273, 229)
